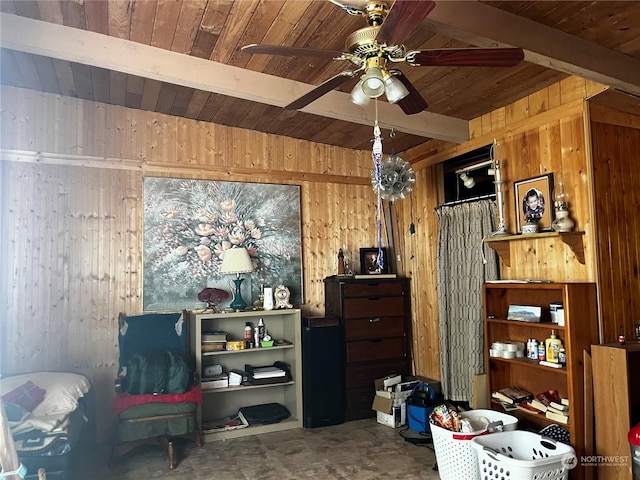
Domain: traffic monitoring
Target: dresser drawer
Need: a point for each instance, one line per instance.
(379, 289)
(373, 327)
(378, 349)
(363, 376)
(358, 403)
(373, 306)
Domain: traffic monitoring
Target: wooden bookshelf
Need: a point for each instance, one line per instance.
(578, 334)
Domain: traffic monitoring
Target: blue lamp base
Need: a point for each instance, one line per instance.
(238, 303)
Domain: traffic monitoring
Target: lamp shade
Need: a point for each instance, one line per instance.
(373, 83)
(236, 260)
(358, 96)
(395, 89)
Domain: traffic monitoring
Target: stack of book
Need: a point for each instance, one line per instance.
(552, 405)
(512, 395)
(213, 341)
(261, 373)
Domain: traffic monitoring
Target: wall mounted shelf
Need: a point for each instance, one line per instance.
(501, 244)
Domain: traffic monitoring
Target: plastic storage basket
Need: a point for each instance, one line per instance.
(522, 455)
(456, 458)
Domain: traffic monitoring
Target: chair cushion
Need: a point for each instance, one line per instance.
(130, 428)
(156, 371)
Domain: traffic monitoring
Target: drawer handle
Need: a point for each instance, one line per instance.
(376, 340)
(374, 298)
(374, 320)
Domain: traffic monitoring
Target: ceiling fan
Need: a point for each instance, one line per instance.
(374, 49)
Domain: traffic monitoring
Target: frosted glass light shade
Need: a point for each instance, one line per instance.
(394, 89)
(373, 82)
(358, 96)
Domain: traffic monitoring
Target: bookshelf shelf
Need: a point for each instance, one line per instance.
(221, 403)
(578, 334)
(530, 364)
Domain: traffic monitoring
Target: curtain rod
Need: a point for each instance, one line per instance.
(467, 200)
(474, 167)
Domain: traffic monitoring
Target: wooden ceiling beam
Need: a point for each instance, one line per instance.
(485, 26)
(120, 55)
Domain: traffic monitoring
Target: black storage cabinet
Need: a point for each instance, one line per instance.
(323, 398)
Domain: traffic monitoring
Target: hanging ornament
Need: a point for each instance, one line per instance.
(376, 155)
(395, 178)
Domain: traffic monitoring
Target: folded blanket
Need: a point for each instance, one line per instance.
(44, 423)
(122, 401)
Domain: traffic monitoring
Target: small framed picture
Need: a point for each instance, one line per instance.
(533, 201)
(370, 262)
(524, 313)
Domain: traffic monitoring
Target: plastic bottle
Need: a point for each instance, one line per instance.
(533, 350)
(248, 334)
(562, 357)
(541, 354)
(552, 347)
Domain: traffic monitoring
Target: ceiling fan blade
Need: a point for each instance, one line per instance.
(466, 57)
(320, 90)
(412, 103)
(402, 20)
(255, 48)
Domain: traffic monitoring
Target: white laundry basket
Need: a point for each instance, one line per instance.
(523, 455)
(456, 458)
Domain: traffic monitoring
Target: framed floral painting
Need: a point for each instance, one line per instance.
(188, 225)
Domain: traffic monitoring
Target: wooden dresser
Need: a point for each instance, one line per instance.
(375, 316)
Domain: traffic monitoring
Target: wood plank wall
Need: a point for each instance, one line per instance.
(71, 235)
(616, 156)
(541, 133)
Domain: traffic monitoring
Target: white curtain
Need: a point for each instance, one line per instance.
(461, 272)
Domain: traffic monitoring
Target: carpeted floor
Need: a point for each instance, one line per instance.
(359, 450)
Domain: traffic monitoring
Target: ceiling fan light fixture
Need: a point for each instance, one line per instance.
(358, 96)
(394, 88)
(373, 82)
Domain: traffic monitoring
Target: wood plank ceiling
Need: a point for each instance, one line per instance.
(215, 30)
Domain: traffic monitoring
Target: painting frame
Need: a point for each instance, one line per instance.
(369, 261)
(534, 192)
(188, 224)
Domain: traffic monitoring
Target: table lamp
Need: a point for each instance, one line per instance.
(236, 260)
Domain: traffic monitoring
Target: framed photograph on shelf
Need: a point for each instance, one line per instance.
(533, 201)
(369, 261)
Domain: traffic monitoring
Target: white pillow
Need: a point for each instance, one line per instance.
(63, 390)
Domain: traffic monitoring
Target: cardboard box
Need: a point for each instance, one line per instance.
(397, 418)
(391, 396)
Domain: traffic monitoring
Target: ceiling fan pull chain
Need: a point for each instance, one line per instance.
(377, 162)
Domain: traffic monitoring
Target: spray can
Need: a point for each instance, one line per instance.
(256, 337)
(261, 329)
(541, 351)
